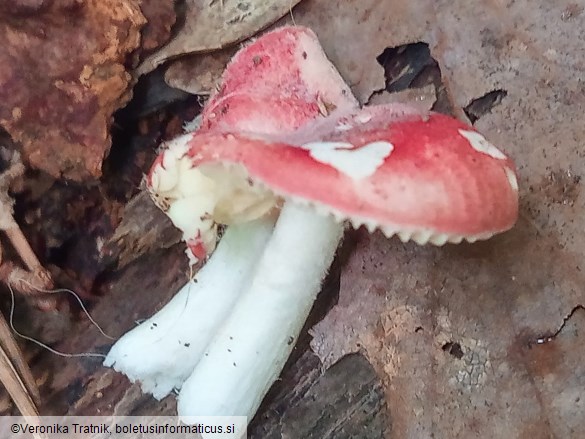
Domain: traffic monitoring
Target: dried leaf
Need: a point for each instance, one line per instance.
(216, 24)
(198, 74)
(464, 336)
(353, 35)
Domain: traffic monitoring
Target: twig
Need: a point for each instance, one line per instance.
(15, 374)
(37, 275)
(15, 387)
(14, 354)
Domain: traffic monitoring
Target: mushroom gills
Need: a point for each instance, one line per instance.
(419, 236)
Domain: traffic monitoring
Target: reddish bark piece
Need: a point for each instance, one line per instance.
(60, 83)
(160, 17)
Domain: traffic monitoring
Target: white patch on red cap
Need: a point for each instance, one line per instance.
(480, 144)
(363, 118)
(357, 163)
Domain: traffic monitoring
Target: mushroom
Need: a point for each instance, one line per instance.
(425, 177)
(421, 176)
(273, 85)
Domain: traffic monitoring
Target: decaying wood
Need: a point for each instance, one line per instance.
(347, 401)
(81, 386)
(338, 403)
(143, 229)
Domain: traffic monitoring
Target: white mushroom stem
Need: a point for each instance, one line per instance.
(162, 351)
(250, 349)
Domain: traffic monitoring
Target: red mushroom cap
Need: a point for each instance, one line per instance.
(426, 177)
(276, 84)
(252, 113)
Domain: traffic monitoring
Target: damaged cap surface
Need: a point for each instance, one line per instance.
(277, 83)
